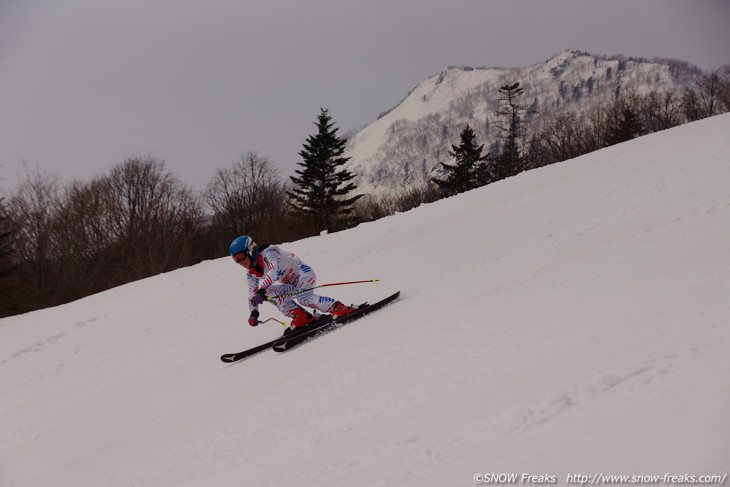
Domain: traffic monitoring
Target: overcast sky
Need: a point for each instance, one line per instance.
(86, 83)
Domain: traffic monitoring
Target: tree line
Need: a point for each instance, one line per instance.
(572, 134)
(63, 241)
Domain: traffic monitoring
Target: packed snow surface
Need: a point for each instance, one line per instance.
(571, 320)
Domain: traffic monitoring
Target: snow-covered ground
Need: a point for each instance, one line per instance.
(571, 320)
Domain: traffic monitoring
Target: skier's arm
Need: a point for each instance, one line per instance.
(252, 286)
(272, 264)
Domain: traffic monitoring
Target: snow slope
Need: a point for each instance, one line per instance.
(573, 319)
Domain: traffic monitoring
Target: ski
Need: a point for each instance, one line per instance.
(288, 342)
(322, 324)
(238, 356)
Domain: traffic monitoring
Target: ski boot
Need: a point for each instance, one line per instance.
(301, 318)
(338, 309)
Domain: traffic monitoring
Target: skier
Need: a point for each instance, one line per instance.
(268, 265)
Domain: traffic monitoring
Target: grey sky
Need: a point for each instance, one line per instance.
(86, 83)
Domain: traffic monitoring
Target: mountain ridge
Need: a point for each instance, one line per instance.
(407, 143)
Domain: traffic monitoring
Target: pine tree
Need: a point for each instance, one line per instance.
(322, 185)
(624, 126)
(510, 160)
(467, 172)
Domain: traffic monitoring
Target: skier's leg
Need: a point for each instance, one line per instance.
(324, 304)
(283, 304)
(308, 279)
(288, 306)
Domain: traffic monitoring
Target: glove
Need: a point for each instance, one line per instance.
(258, 297)
(253, 320)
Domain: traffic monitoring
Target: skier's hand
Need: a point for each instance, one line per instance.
(253, 320)
(258, 297)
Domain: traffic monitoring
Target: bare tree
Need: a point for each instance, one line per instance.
(564, 139)
(8, 283)
(660, 111)
(32, 210)
(137, 221)
(724, 91)
(151, 216)
(708, 91)
(372, 207)
(708, 97)
(82, 235)
(247, 198)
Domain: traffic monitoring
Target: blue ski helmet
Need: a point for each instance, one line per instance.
(246, 245)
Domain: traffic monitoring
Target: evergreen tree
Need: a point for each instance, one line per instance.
(624, 126)
(510, 161)
(468, 172)
(322, 186)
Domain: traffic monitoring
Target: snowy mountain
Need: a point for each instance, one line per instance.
(570, 320)
(405, 144)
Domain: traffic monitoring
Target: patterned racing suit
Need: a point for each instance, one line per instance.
(285, 268)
